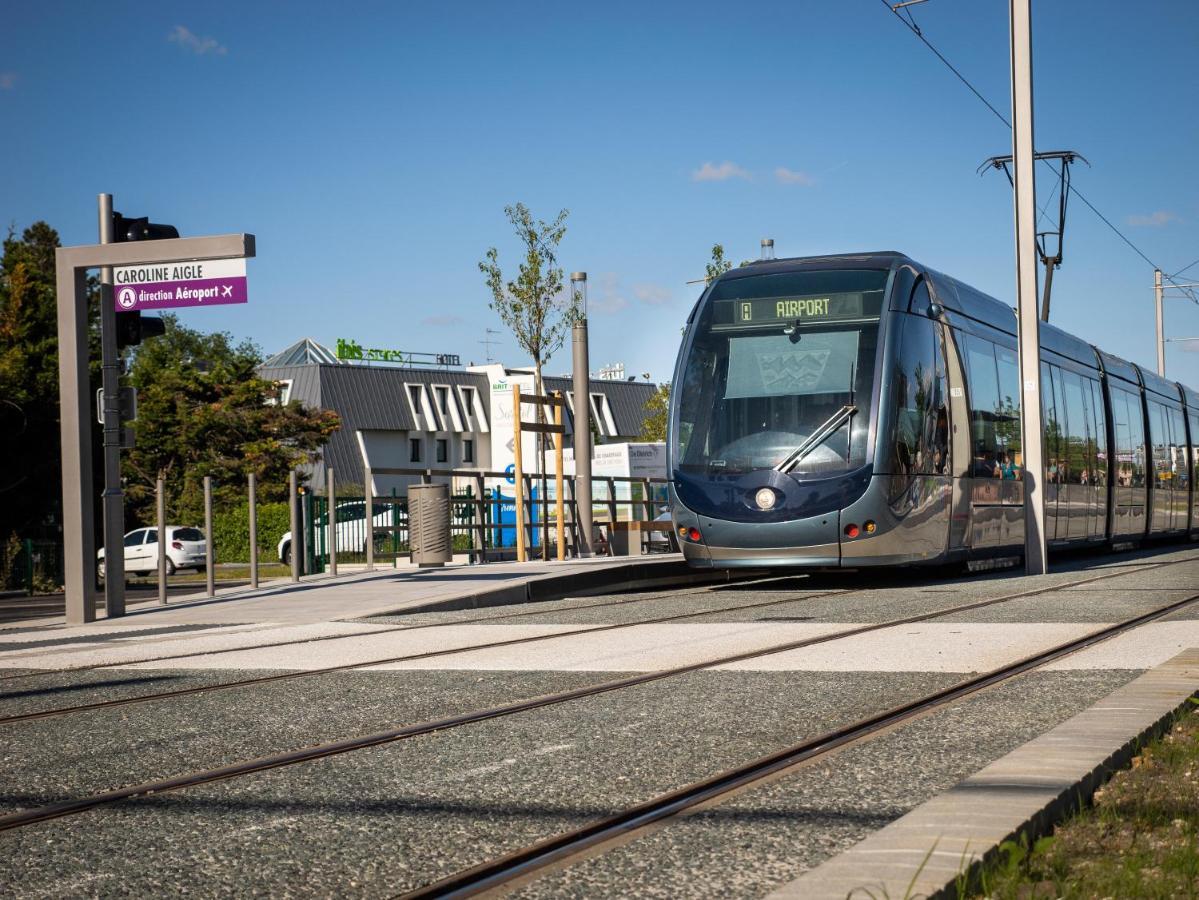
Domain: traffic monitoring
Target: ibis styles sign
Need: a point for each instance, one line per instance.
(207, 282)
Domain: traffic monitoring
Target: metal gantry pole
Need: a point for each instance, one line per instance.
(1024, 191)
(294, 523)
(209, 548)
(518, 473)
(160, 492)
(110, 405)
(559, 509)
(582, 420)
(253, 490)
(1161, 323)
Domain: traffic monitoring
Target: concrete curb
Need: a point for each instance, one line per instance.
(1025, 792)
(580, 583)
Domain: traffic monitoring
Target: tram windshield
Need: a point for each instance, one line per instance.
(774, 360)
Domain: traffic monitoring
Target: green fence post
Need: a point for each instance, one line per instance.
(28, 566)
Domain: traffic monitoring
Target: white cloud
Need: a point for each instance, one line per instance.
(723, 172)
(1189, 346)
(8, 81)
(445, 321)
(652, 294)
(187, 39)
(793, 176)
(1154, 219)
(607, 297)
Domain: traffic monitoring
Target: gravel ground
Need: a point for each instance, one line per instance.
(769, 836)
(446, 800)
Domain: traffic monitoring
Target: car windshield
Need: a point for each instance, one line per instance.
(774, 358)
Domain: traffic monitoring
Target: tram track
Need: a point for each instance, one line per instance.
(518, 867)
(490, 645)
(23, 818)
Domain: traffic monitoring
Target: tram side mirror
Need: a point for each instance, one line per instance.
(935, 310)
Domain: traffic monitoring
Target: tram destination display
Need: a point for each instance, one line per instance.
(797, 309)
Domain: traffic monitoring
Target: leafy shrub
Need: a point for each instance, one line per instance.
(231, 531)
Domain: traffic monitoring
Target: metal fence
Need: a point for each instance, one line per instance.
(34, 567)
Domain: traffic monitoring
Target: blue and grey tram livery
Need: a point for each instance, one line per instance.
(864, 410)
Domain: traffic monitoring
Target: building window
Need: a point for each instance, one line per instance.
(468, 450)
(443, 450)
(414, 394)
(443, 399)
(414, 453)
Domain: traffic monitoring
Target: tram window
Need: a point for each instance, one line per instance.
(1194, 419)
(921, 421)
(1159, 438)
(1054, 412)
(1178, 450)
(1130, 433)
(1121, 438)
(994, 385)
(1099, 434)
(1077, 437)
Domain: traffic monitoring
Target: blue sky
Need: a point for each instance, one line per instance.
(372, 148)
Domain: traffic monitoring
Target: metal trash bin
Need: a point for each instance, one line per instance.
(429, 524)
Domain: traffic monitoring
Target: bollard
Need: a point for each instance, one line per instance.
(294, 522)
(369, 490)
(253, 530)
(161, 496)
(331, 519)
(209, 551)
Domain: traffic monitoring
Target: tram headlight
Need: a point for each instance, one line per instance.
(765, 498)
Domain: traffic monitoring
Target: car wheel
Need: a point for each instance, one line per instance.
(287, 554)
(100, 570)
(170, 566)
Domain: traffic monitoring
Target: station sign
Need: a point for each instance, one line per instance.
(204, 282)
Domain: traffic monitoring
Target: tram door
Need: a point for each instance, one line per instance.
(959, 442)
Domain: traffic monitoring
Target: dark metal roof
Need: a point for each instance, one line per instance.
(875, 259)
(626, 400)
(304, 352)
(1158, 385)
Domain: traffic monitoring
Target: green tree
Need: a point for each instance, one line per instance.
(533, 305)
(718, 265)
(656, 410)
(31, 480)
(203, 410)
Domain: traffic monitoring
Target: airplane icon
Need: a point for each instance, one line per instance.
(226, 290)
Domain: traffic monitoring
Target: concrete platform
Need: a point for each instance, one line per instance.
(359, 593)
(923, 853)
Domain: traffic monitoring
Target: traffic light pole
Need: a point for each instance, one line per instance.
(110, 373)
(75, 404)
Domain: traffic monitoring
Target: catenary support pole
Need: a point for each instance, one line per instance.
(293, 506)
(1024, 191)
(582, 420)
(253, 514)
(160, 494)
(1161, 323)
(331, 518)
(209, 539)
(110, 404)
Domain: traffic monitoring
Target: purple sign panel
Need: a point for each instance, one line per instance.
(175, 285)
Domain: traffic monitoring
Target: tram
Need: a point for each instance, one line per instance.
(864, 410)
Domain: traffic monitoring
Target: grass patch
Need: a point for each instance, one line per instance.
(1140, 838)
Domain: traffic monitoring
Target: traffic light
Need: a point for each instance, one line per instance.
(140, 229)
(132, 329)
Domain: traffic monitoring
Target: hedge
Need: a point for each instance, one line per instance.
(231, 532)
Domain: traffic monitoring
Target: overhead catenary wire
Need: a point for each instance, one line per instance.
(915, 29)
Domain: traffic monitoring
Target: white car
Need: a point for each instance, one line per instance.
(185, 550)
(351, 528)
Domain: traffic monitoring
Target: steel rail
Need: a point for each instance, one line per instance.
(559, 850)
(428, 654)
(77, 805)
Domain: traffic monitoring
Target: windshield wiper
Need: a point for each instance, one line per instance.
(816, 438)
